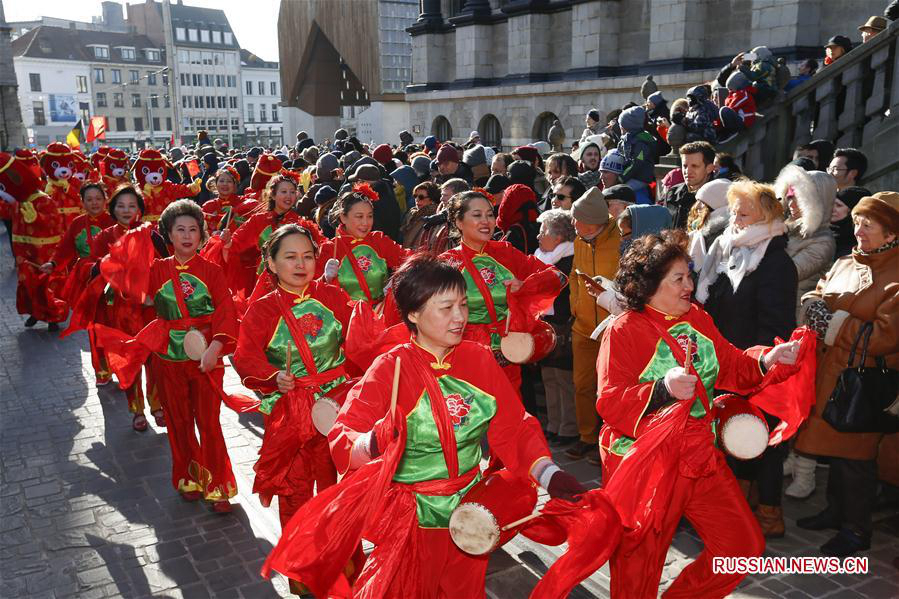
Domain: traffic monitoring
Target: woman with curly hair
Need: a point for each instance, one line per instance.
(495, 273)
(646, 378)
(358, 259)
(245, 245)
(228, 210)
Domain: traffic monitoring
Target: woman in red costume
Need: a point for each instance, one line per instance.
(227, 210)
(190, 294)
(358, 259)
(449, 394)
(494, 273)
(290, 350)
(73, 255)
(243, 249)
(127, 315)
(645, 379)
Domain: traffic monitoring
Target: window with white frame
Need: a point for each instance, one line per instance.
(204, 36)
(101, 51)
(216, 37)
(180, 34)
(192, 35)
(229, 38)
(128, 53)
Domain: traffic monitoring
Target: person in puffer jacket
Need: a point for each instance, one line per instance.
(699, 119)
(738, 112)
(761, 72)
(638, 146)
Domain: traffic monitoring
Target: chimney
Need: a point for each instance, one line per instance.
(112, 14)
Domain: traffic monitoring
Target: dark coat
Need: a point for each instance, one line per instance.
(679, 200)
(764, 305)
(561, 322)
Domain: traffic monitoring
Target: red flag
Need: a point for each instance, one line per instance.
(193, 168)
(97, 128)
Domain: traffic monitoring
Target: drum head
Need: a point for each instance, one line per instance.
(744, 436)
(324, 414)
(194, 344)
(517, 347)
(474, 529)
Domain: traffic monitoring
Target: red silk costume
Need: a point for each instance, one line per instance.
(36, 229)
(490, 303)
(232, 208)
(688, 475)
(73, 255)
(363, 275)
(420, 477)
(201, 300)
(128, 315)
(305, 332)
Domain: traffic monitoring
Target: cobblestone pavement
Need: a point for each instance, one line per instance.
(87, 509)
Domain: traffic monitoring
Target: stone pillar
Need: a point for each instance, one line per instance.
(429, 58)
(676, 30)
(430, 13)
(594, 34)
(474, 56)
(785, 23)
(477, 8)
(527, 54)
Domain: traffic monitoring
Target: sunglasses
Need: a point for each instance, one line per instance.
(421, 197)
(562, 196)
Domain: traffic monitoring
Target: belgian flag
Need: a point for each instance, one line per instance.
(75, 136)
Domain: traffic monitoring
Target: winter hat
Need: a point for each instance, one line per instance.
(632, 119)
(430, 142)
(698, 93)
(714, 193)
(656, 99)
(447, 153)
(325, 194)
(475, 156)
(763, 53)
(350, 158)
(543, 148)
(528, 153)
(648, 87)
(594, 114)
(341, 134)
(737, 81)
(474, 135)
(841, 41)
(620, 193)
(518, 200)
(882, 207)
(303, 144)
(591, 208)
(497, 184)
(805, 163)
(875, 24)
(406, 138)
(383, 154)
(324, 166)
(422, 166)
(852, 195)
(522, 172)
(592, 140)
(366, 172)
(613, 162)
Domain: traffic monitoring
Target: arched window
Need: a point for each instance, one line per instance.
(491, 132)
(441, 129)
(542, 125)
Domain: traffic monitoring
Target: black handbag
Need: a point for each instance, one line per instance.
(860, 401)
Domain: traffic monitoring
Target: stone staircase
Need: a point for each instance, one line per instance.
(854, 102)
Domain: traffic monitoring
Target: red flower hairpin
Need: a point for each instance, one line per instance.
(366, 190)
(485, 193)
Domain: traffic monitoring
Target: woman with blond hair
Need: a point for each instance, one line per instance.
(748, 286)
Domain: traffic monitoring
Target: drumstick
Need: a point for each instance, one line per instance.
(527, 518)
(508, 324)
(688, 360)
(289, 358)
(396, 387)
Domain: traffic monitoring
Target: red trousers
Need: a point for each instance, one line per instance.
(447, 572)
(312, 467)
(189, 401)
(98, 359)
(718, 511)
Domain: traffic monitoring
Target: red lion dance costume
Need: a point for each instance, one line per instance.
(149, 172)
(58, 164)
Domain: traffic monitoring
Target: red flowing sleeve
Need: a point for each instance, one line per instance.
(176, 191)
(224, 319)
(100, 244)
(514, 434)
(627, 347)
(541, 284)
(392, 252)
(366, 403)
(249, 359)
(247, 235)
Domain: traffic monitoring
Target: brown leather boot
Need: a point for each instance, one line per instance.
(753, 496)
(771, 520)
(745, 485)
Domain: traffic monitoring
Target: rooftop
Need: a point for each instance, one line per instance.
(248, 59)
(74, 44)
